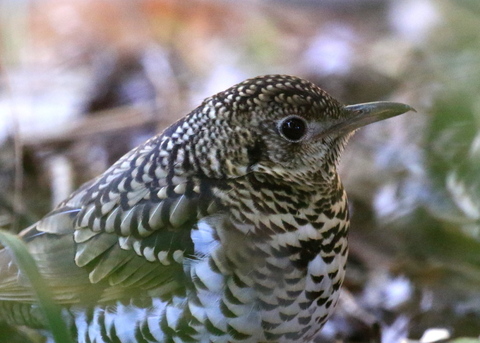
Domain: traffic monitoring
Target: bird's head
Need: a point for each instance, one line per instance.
(275, 124)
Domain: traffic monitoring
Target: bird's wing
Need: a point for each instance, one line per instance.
(128, 229)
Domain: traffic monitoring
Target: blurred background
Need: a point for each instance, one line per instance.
(83, 82)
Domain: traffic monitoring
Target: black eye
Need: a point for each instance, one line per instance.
(293, 128)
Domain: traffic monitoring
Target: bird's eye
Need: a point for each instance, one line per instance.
(293, 128)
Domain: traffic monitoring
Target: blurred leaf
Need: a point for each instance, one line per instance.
(27, 265)
(465, 340)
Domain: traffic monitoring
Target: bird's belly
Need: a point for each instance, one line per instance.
(247, 292)
(230, 311)
(252, 292)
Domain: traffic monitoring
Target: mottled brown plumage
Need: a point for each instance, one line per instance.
(230, 226)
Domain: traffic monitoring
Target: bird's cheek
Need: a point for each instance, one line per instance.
(233, 169)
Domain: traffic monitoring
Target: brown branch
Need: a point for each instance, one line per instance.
(102, 123)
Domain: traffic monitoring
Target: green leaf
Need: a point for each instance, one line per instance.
(28, 266)
(465, 340)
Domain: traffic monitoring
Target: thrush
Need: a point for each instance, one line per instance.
(230, 226)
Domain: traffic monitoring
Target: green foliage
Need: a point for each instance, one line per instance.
(465, 340)
(28, 267)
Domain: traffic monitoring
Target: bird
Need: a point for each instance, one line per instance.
(229, 226)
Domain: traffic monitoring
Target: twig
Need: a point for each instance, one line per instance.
(104, 122)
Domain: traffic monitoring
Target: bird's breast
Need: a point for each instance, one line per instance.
(282, 286)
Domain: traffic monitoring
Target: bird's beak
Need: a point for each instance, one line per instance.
(356, 116)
